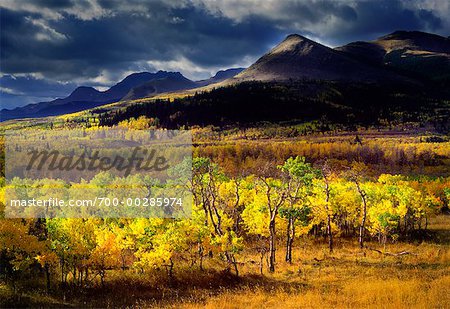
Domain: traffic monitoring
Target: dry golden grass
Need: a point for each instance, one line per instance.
(391, 293)
(347, 278)
(341, 283)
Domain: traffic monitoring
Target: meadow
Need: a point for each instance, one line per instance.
(348, 278)
(282, 216)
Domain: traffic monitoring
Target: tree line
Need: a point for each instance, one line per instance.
(231, 214)
(295, 101)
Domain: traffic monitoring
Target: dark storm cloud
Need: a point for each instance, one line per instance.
(86, 47)
(339, 22)
(97, 42)
(382, 17)
(316, 11)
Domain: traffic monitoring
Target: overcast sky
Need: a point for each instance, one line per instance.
(49, 47)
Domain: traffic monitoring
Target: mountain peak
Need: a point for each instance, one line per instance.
(82, 92)
(403, 34)
(294, 43)
(298, 57)
(167, 73)
(224, 74)
(415, 40)
(83, 88)
(413, 52)
(163, 82)
(294, 36)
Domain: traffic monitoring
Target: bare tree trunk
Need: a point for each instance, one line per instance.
(102, 277)
(236, 270)
(362, 226)
(261, 262)
(74, 274)
(272, 246)
(290, 239)
(200, 253)
(62, 271)
(170, 269)
(330, 234)
(364, 216)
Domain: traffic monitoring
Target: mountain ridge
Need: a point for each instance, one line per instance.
(298, 57)
(172, 82)
(133, 86)
(74, 101)
(419, 53)
(399, 58)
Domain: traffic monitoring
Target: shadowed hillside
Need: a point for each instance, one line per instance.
(300, 58)
(423, 54)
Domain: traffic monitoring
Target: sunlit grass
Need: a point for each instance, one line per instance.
(347, 278)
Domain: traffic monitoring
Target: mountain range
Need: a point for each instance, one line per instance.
(402, 57)
(424, 54)
(134, 86)
(300, 58)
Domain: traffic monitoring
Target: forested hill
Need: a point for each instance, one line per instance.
(295, 101)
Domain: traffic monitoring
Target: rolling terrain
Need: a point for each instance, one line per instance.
(423, 54)
(298, 58)
(300, 80)
(319, 178)
(361, 83)
(134, 86)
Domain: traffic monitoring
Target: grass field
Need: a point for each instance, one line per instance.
(400, 275)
